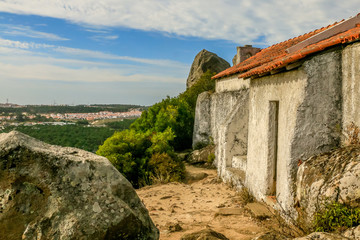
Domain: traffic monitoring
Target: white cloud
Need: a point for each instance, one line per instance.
(24, 61)
(100, 55)
(105, 37)
(6, 44)
(23, 45)
(26, 31)
(241, 21)
(48, 72)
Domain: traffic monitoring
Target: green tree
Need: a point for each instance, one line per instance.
(126, 150)
(130, 152)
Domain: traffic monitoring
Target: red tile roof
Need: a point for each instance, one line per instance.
(277, 56)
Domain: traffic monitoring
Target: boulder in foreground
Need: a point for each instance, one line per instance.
(51, 192)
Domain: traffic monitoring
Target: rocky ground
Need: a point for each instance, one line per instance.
(205, 202)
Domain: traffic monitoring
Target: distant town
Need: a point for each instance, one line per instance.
(14, 114)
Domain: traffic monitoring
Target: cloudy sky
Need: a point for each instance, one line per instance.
(135, 51)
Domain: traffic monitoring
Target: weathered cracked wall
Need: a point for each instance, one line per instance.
(288, 89)
(319, 115)
(351, 84)
(232, 83)
(232, 136)
(223, 116)
(202, 123)
(309, 111)
(222, 104)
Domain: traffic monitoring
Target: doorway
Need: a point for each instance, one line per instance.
(273, 146)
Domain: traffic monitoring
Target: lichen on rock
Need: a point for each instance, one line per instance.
(326, 178)
(51, 192)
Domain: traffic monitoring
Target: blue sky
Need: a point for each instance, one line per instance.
(138, 52)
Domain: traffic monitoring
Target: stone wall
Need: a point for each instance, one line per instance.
(222, 104)
(319, 116)
(309, 101)
(232, 138)
(288, 89)
(351, 84)
(243, 53)
(220, 117)
(232, 83)
(284, 118)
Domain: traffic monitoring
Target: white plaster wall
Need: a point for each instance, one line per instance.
(288, 88)
(309, 111)
(232, 135)
(222, 104)
(231, 83)
(351, 84)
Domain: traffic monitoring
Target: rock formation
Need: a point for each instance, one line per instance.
(204, 234)
(51, 192)
(327, 178)
(202, 123)
(203, 156)
(323, 236)
(204, 61)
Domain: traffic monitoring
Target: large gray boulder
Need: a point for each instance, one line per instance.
(203, 156)
(51, 192)
(204, 61)
(202, 123)
(330, 177)
(323, 236)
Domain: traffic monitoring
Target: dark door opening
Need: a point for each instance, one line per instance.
(273, 146)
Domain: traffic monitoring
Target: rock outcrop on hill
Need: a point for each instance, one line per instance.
(327, 178)
(51, 192)
(204, 61)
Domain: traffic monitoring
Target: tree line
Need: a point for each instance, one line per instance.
(38, 109)
(79, 135)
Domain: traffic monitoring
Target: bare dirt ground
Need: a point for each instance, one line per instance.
(205, 203)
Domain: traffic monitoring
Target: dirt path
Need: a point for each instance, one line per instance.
(200, 204)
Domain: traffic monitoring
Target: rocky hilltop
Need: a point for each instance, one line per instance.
(51, 192)
(204, 61)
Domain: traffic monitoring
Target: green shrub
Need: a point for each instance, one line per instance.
(211, 158)
(143, 157)
(166, 169)
(126, 150)
(336, 217)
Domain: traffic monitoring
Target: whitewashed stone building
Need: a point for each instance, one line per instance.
(282, 105)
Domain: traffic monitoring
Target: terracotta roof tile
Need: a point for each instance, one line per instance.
(276, 56)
